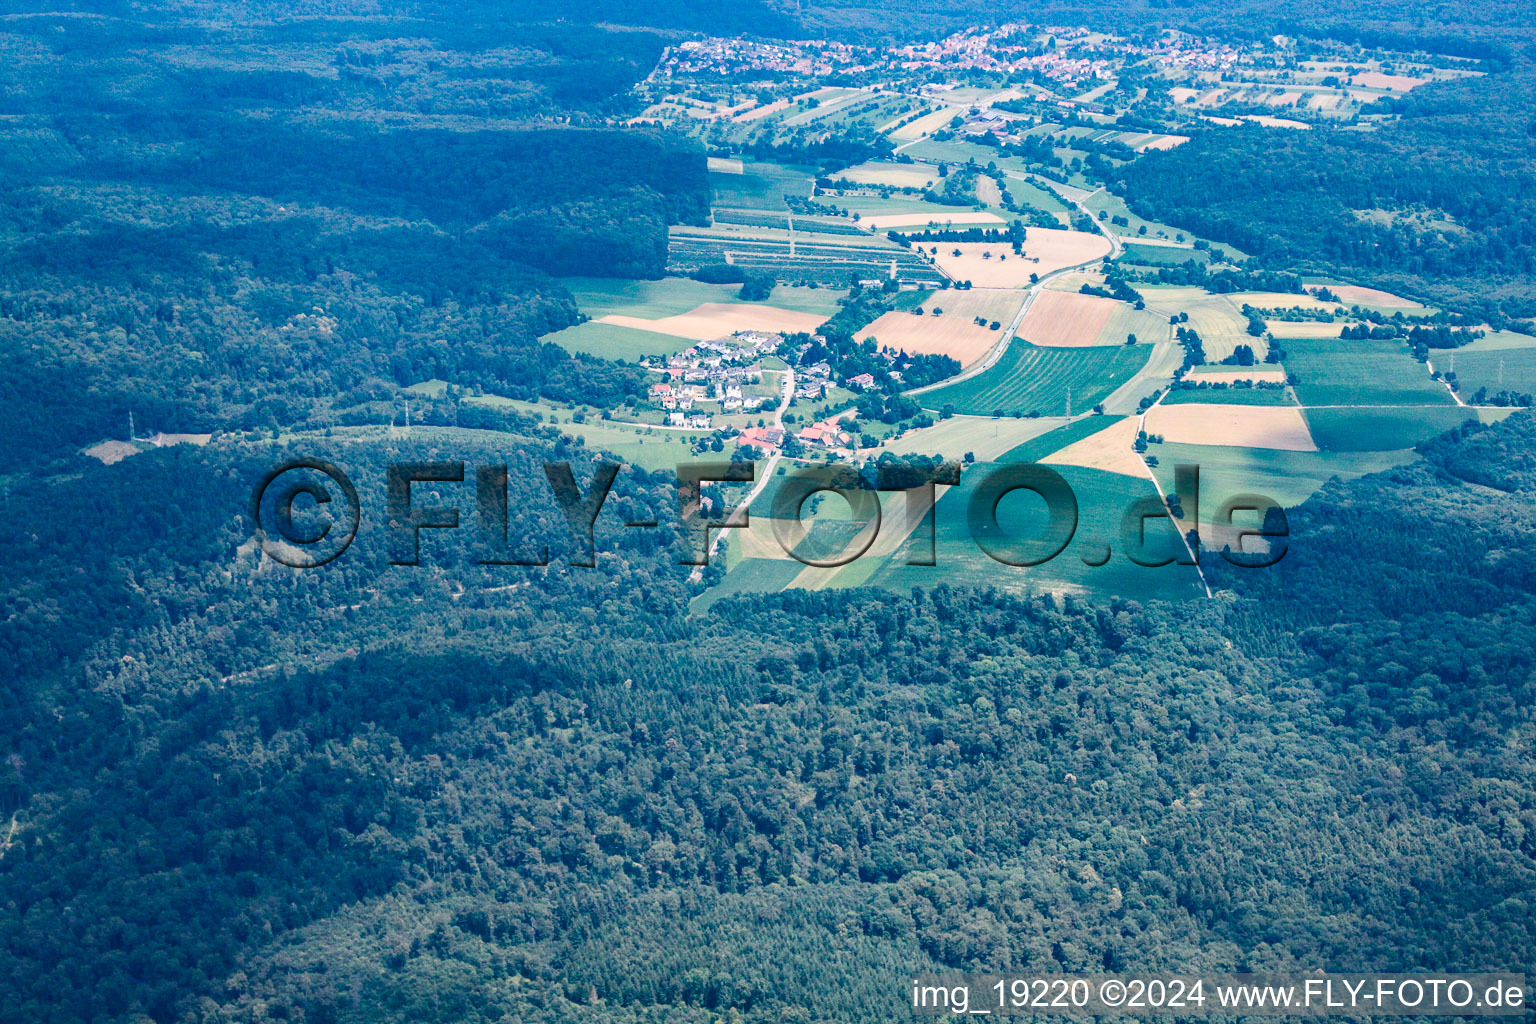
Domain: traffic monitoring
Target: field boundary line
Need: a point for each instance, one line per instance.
(1442, 380)
(1141, 426)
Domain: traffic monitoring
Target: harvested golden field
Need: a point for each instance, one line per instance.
(923, 125)
(998, 304)
(1279, 300)
(896, 175)
(932, 335)
(886, 221)
(1274, 122)
(1356, 295)
(724, 165)
(111, 452)
(1074, 281)
(1066, 319)
(1304, 328)
(1282, 428)
(987, 265)
(763, 111)
(166, 440)
(1161, 142)
(715, 320)
(1109, 450)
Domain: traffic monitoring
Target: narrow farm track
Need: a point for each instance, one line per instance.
(1431, 368)
(1141, 425)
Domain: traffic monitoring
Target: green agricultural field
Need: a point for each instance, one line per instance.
(611, 341)
(1162, 255)
(1289, 478)
(1046, 443)
(433, 388)
(1028, 378)
(984, 437)
(760, 186)
(906, 302)
(1102, 499)
(877, 114)
(1230, 396)
(1497, 369)
(827, 105)
(1497, 341)
(960, 152)
(601, 296)
(1334, 371)
(1216, 318)
(640, 444)
(752, 576)
(1127, 320)
(1033, 195)
(1382, 428)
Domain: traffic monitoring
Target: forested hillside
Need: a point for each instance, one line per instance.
(457, 793)
(231, 227)
(468, 793)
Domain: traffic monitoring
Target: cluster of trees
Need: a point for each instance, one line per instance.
(1248, 278)
(1013, 235)
(1115, 287)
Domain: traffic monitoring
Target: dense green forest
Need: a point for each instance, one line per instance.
(467, 793)
(235, 228)
(1454, 28)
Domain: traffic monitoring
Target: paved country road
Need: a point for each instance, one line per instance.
(1035, 289)
(739, 516)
